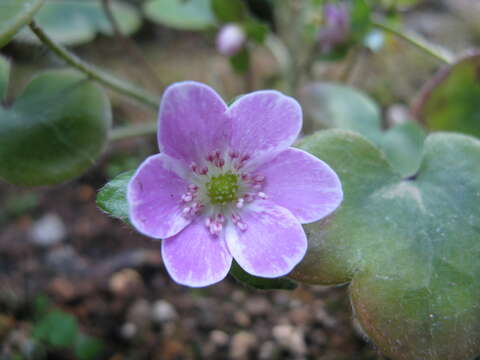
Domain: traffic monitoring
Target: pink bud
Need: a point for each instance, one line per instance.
(230, 39)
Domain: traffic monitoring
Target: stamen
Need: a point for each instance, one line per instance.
(193, 167)
(187, 197)
(193, 187)
(203, 171)
(240, 203)
(262, 195)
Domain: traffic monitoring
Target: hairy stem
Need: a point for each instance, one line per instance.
(432, 50)
(123, 132)
(119, 85)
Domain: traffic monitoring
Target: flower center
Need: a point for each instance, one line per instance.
(223, 189)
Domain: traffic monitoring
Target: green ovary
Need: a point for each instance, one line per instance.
(222, 189)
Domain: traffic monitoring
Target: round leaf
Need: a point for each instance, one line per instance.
(75, 22)
(450, 100)
(14, 14)
(180, 14)
(410, 248)
(54, 131)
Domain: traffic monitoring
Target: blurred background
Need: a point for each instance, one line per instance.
(78, 284)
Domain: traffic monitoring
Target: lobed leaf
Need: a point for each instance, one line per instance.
(331, 105)
(409, 247)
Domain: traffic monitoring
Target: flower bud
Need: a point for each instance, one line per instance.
(336, 27)
(230, 39)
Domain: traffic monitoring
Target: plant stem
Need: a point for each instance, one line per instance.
(432, 50)
(127, 131)
(119, 85)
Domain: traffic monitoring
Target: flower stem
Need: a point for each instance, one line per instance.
(432, 50)
(94, 73)
(127, 131)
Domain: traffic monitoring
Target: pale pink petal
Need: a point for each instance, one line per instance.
(303, 184)
(154, 198)
(192, 122)
(264, 123)
(273, 242)
(196, 258)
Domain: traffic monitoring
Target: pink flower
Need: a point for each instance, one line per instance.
(230, 39)
(228, 185)
(336, 30)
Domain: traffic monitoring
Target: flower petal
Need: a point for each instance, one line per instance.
(154, 198)
(196, 258)
(192, 122)
(303, 184)
(264, 122)
(272, 244)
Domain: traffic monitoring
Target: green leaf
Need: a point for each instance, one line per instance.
(409, 248)
(360, 18)
(4, 77)
(450, 100)
(54, 131)
(281, 283)
(228, 10)
(14, 14)
(75, 22)
(87, 348)
(331, 105)
(181, 14)
(57, 329)
(241, 61)
(112, 198)
(256, 31)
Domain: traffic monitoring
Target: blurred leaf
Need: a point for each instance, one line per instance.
(229, 10)
(281, 283)
(241, 61)
(112, 198)
(410, 248)
(181, 14)
(360, 18)
(450, 101)
(41, 305)
(88, 348)
(4, 77)
(54, 131)
(76, 22)
(57, 328)
(256, 31)
(14, 14)
(331, 105)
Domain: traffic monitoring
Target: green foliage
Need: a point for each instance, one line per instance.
(14, 14)
(75, 22)
(4, 75)
(181, 14)
(331, 105)
(450, 100)
(87, 347)
(57, 329)
(259, 283)
(360, 18)
(256, 31)
(54, 131)
(112, 198)
(240, 62)
(410, 248)
(229, 10)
